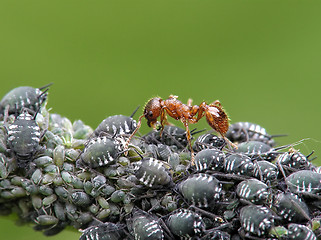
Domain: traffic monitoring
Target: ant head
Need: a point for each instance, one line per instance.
(152, 111)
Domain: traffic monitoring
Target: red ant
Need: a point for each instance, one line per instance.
(155, 107)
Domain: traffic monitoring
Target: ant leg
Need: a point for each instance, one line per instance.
(216, 103)
(189, 102)
(188, 136)
(139, 123)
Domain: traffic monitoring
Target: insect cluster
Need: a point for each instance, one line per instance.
(110, 184)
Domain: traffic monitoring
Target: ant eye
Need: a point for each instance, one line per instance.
(150, 114)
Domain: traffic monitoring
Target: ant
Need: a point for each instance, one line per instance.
(155, 107)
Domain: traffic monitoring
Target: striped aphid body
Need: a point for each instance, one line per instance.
(209, 159)
(253, 190)
(23, 138)
(23, 97)
(116, 124)
(257, 150)
(201, 189)
(256, 219)
(186, 224)
(294, 159)
(100, 151)
(145, 226)
(239, 164)
(208, 140)
(103, 231)
(300, 232)
(304, 182)
(152, 172)
(265, 171)
(246, 131)
(291, 208)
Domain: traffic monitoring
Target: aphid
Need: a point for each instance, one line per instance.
(209, 159)
(152, 172)
(159, 151)
(208, 141)
(201, 189)
(100, 151)
(246, 131)
(256, 219)
(80, 198)
(23, 138)
(157, 107)
(103, 231)
(238, 164)
(294, 160)
(300, 232)
(145, 226)
(46, 220)
(171, 136)
(117, 124)
(291, 208)
(186, 224)
(305, 182)
(23, 97)
(265, 171)
(258, 150)
(253, 190)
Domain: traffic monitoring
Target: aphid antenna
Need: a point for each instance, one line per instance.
(193, 131)
(43, 93)
(46, 86)
(279, 135)
(309, 155)
(135, 111)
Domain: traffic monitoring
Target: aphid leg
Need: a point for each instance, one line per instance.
(139, 123)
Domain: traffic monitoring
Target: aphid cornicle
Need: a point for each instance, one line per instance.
(100, 151)
(23, 138)
(23, 97)
(157, 107)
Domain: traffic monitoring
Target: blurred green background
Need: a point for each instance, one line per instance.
(261, 59)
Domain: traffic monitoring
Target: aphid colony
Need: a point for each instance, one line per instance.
(111, 184)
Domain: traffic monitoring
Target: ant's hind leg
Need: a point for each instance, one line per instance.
(188, 136)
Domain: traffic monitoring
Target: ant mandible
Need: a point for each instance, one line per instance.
(157, 107)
